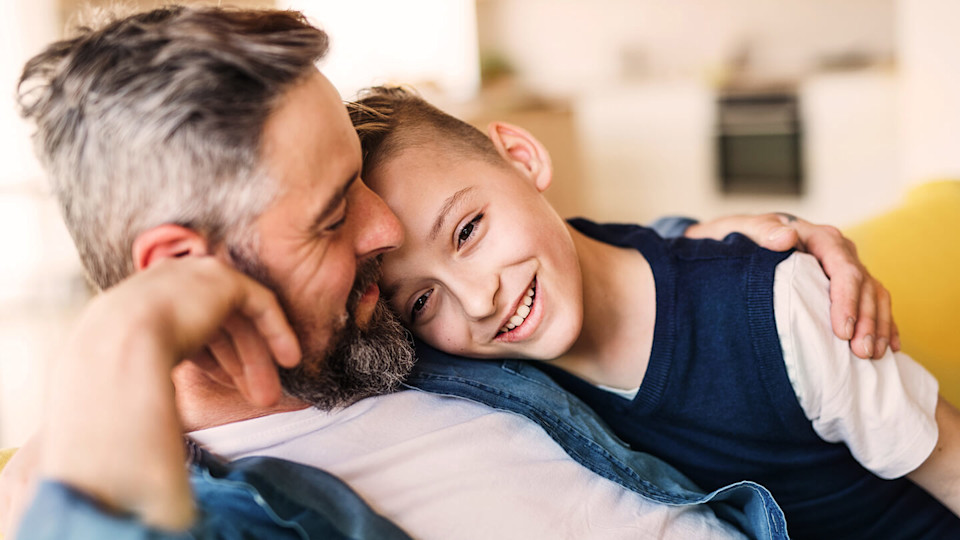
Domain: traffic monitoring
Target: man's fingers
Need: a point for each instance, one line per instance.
(845, 300)
(204, 360)
(222, 349)
(894, 336)
(258, 371)
(777, 237)
(864, 343)
(884, 331)
(772, 231)
(260, 306)
(208, 292)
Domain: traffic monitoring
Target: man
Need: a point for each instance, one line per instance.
(184, 145)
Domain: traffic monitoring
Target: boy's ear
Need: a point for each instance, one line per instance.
(165, 241)
(523, 151)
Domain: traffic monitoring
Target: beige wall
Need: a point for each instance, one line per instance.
(67, 8)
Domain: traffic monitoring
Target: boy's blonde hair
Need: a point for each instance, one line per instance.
(389, 119)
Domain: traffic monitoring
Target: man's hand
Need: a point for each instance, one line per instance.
(111, 428)
(859, 304)
(17, 483)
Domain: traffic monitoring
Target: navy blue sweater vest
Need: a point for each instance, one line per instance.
(717, 404)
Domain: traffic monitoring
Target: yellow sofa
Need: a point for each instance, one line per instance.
(914, 250)
(5, 455)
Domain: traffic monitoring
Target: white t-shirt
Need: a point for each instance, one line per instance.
(883, 410)
(446, 468)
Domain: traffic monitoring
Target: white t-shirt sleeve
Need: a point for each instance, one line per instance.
(883, 410)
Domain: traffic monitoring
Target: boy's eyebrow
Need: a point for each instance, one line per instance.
(448, 205)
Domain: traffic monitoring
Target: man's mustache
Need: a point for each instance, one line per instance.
(368, 273)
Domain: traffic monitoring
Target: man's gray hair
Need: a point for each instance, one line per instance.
(157, 118)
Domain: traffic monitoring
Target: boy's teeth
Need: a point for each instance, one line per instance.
(522, 311)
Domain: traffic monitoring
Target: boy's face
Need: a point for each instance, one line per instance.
(479, 238)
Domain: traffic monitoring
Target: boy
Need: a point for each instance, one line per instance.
(715, 356)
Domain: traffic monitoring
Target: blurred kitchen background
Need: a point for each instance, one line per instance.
(829, 109)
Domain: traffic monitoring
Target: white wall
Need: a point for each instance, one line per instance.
(648, 151)
(39, 272)
(559, 47)
(428, 43)
(929, 44)
(642, 77)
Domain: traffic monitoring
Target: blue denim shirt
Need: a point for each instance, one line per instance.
(519, 387)
(254, 497)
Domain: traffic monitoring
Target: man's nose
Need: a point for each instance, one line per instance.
(377, 229)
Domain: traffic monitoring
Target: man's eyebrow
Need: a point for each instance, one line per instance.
(331, 206)
(448, 205)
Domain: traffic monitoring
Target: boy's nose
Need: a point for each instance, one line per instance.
(478, 294)
(379, 230)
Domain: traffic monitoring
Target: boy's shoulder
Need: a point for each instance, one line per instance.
(654, 246)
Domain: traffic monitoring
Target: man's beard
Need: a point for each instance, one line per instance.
(356, 363)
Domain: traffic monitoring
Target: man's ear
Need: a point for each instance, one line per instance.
(523, 151)
(167, 241)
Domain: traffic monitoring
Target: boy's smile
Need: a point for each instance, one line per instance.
(488, 268)
(525, 317)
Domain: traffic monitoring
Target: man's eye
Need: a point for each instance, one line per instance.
(419, 304)
(343, 218)
(339, 223)
(467, 231)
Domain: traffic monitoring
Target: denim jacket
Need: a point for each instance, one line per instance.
(256, 497)
(519, 387)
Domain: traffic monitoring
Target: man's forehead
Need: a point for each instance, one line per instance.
(310, 134)
(311, 152)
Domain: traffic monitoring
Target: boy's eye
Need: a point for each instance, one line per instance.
(419, 304)
(467, 231)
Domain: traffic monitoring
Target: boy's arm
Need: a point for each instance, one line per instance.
(860, 308)
(939, 475)
(887, 411)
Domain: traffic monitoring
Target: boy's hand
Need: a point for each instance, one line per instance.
(111, 428)
(860, 308)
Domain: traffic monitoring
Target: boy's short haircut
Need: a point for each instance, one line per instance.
(389, 119)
